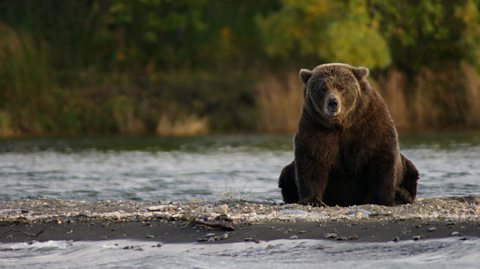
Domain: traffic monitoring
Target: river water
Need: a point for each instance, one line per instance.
(217, 168)
(435, 254)
(203, 168)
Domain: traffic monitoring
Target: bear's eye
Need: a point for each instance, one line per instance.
(321, 87)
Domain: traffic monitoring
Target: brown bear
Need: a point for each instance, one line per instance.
(346, 145)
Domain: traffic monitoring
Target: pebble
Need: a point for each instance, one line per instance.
(157, 208)
(330, 235)
(432, 229)
(212, 237)
(133, 247)
(150, 236)
(417, 237)
(396, 239)
(456, 234)
(221, 209)
(353, 237)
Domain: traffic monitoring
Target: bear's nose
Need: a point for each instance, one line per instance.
(332, 103)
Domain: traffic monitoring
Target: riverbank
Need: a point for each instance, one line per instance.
(236, 221)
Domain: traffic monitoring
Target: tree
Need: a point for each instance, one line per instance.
(329, 31)
(429, 33)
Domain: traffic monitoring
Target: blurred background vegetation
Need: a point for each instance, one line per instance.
(187, 67)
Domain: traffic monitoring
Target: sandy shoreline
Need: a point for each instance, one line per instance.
(236, 221)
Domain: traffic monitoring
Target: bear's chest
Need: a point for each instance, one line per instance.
(351, 158)
(346, 183)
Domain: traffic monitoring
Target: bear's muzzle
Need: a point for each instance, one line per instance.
(332, 106)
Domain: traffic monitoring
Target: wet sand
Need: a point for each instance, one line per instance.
(236, 221)
(180, 232)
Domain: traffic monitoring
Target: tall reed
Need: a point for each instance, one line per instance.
(280, 101)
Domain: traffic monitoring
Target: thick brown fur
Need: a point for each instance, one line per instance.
(346, 145)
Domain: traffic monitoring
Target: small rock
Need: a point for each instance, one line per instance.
(302, 232)
(150, 236)
(221, 209)
(225, 236)
(330, 235)
(417, 237)
(156, 208)
(353, 237)
(463, 238)
(341, 238)
(210, 235)
(396, 239)
(293, 237)
(456, 234)
(432, 229)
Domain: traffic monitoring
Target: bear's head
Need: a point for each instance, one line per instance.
(332, 92)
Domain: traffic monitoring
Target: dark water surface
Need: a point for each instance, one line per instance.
(202, 168)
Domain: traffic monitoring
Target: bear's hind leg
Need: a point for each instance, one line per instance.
(407, 190)
(288, 184)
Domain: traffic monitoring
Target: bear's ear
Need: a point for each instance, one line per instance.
(305, 74)
(360, 72)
